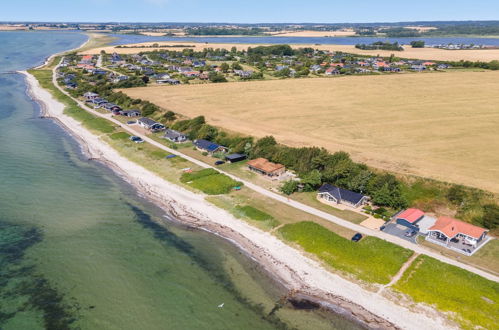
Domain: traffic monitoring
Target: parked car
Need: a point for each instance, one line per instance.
(131, 122)
(410, 233)
(136, 139)
(219, 162)
(357, 237)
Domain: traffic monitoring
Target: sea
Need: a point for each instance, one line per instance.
(81, 249)
(121, 39)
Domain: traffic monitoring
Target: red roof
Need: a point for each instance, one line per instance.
(87, 57)
(264, 165)
(450, 227)
(411, 215)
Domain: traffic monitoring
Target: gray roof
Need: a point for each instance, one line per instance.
(341, 194)
(172, 134)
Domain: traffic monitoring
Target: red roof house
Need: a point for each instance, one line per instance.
(410, 215)
(451, 228)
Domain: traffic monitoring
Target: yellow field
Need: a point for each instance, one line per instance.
(441, 125)
(415, 53)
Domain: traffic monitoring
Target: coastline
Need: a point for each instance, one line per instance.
(299, 274)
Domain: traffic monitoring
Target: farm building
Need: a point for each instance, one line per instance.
(265, 167)
(339, 195)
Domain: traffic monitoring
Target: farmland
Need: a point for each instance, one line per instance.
(414, 53)
(441, 125)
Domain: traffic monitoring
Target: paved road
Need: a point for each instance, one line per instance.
(311, 210)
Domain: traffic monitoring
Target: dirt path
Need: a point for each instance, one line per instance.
(344, 223)
(401, 272)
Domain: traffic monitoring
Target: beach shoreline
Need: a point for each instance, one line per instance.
(303, 277)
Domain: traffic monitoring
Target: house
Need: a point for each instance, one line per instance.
(409, 217)
(168, 81)
(131, 113)
(265, 167)
(150, 124)
(111, 107)
(234, 158)
(339, 195)
(175, 136)
(98, 101)
(207, 146)
(90, 96)
(332, 71)
(457, 235)
(119, 79)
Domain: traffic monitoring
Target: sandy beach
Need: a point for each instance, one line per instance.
(301, 275)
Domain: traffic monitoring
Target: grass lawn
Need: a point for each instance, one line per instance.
(370, 260)
(449, 288)
(210, 181)
(309, 198)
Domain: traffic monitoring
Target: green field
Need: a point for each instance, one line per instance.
(449, 288)
(370, 260)
(210, 181)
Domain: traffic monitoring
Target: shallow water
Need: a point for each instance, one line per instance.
(80, 249)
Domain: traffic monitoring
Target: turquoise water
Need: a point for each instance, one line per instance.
(80, 250)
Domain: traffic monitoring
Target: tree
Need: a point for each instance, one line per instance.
(417, 44)
(490, 219)
(224, 67)
(312, 180)
(206, 132)
(289, 187)
(456, 195)
(170, 116)
(216, 77)
(145, 79)
(236, 66)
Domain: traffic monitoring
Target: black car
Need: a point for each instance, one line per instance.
(136, 139)
(357, 237)
(219, 162)
(410, 233)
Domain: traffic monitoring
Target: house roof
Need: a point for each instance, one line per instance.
(265, 165)
(172, 134)
(147, 121)
(235, 156)
(411, 215)
(450, 227)
(206, 145)
(341, 194)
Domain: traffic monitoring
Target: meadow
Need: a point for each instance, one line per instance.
(370, 260)
(210, 181)
(441, 126)
(473, 298)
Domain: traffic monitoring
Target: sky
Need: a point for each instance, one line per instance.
(244, 11)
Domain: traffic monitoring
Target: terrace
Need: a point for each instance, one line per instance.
(459, 243)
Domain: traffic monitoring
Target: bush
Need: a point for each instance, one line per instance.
(289, 187)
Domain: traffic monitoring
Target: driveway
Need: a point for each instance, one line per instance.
(399, 231)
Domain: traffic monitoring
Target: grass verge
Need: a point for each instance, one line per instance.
(370, 260)
(474, 299)
(210, 181)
